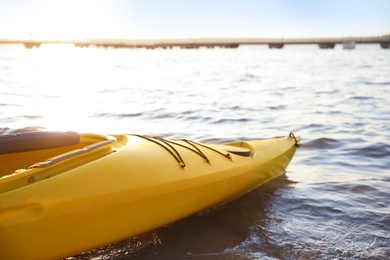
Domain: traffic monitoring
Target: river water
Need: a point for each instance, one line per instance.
(332, 203)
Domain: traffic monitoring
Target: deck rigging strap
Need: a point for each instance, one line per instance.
(169, 146)
(172, 151)
(192, 143)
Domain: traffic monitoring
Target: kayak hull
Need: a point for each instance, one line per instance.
(138, 187)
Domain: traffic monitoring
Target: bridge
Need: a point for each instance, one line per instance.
(278, 43)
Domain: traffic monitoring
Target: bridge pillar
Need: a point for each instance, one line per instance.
(81, 45)
(275, 45)
(30, 45)
(385, 45)
(326, 45)
(230, 45)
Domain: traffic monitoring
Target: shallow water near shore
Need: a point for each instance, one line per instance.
(333, 201)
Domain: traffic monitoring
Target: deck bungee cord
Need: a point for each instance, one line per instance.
(169, 146)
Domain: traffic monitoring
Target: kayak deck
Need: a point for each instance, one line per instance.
(106, 188)
(37, 150)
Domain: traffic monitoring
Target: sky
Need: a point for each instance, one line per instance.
(170, 19)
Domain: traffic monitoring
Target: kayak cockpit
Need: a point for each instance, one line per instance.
(25, 152)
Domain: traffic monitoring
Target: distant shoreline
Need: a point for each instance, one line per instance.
(326, 42)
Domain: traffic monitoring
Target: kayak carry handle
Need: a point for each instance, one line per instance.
(297, 144)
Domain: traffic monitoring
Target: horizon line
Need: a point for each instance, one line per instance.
(77, 39)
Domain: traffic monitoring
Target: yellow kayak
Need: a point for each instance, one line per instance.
(62, 193)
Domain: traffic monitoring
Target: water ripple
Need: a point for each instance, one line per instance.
(331, 204)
